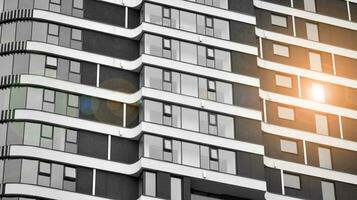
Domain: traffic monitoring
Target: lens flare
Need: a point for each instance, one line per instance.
(318, 92)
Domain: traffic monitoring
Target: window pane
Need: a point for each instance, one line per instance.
(12, 171)
(227, 161)
(32, 134)
(176, 151)
(176, 116)
(187, 21)
(37, 64)
(59, 136)
(189, 85)
(204, 157)
(224, 92)
(221, 29)
(225, 126)
(279, 20)
(312, 32)
(288, 146)
(42, 4)
(201, 26)
(29, 171)
(8, 33)
(61, 103)
(321, 124)
(176, 82)
(291, 181)
(153, 13)
(153, 45)
(202, 58)
(153, 147)
(57, 176)
(203, 122)
(176, 189)
(39, 31)
(188, 52)
(175, 50)
(190, 154)
(189, 119)
(315, 61)
(153, 78)
(202, 88)
(325, 158)
(153, 111)
(309, 5)
(34, 98)
(283, 81)
(150, 184)
(222, 60)
(281, 50)
(286, 113)
(328, 190)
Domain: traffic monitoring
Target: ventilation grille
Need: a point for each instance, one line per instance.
(12, 15)
(9, 80)
(7, 115)
(12, 47)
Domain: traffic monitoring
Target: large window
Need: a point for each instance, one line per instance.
(187, 21)
(190, 154)
(187, 52)
(328, 190)
(176, 188)
(215, 3)
(150, 184)
(190, 119)
(188, 85)
(291, 181)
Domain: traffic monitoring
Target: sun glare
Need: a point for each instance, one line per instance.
(318, 92)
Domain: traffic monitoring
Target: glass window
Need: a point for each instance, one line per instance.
(291, 181)
(12, 170)
(220, 3)
(175, 18)
(73, 100)
(59, 137)
(8, 32)
(281, 50)
(315, 61)
(288, 146)
(187, 21)
(202, 56)
(29, 171)
(32, 134)
(189, 85)
(153, 13)
(153, 45)
(70, 172)
(328, 190)
(286, 113)
(227, 161)
(204, 157)
(37, 64)
(176, 151)
(176, 82)
(176, 116)
(61, 103)
(283, 81)
(153, 147)
(42, 4)
(224, 92)
(76, 34)
(222, 60)
(221, 29)
(201, 24)
(279, 20)
(150, 184)
(190, 119)
(203, 122)
(190, 154)
(153, 78)
(325, 158)
(309, 5)
(176, 189)
(321, 124)
(225, 126)
(57, 176)
(188, 53)
(34, 98)
(39, 31)
(153, 111)
(78, 4)
(312, 32)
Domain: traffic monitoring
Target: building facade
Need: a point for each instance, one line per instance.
(178, 99)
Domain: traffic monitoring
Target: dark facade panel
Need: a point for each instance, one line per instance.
(116, 186)
(133, 18)
(104, 12)
(114, 46)
(101, 110)
(273, 180)
(246, 96)
(353, 10)
(243, 6)
(250, 165)
(280, 2)
(299, 4)
(268, 83)
(332, 8)
(310, 188)
(163, 185)
(346, 67)
(349, 128)
(345, 191)
(243, 33)
(272, 149)
(89, 73)
(93, 144)
(118, 80)
(124, 151)
(225, 191)
(84, 181)
(263, 18)
(244, 64)
(248, 130)
(299, 57)
(304, 119)
(344, 160)
(132, 116)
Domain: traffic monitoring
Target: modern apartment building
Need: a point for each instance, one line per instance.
(178, 99)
